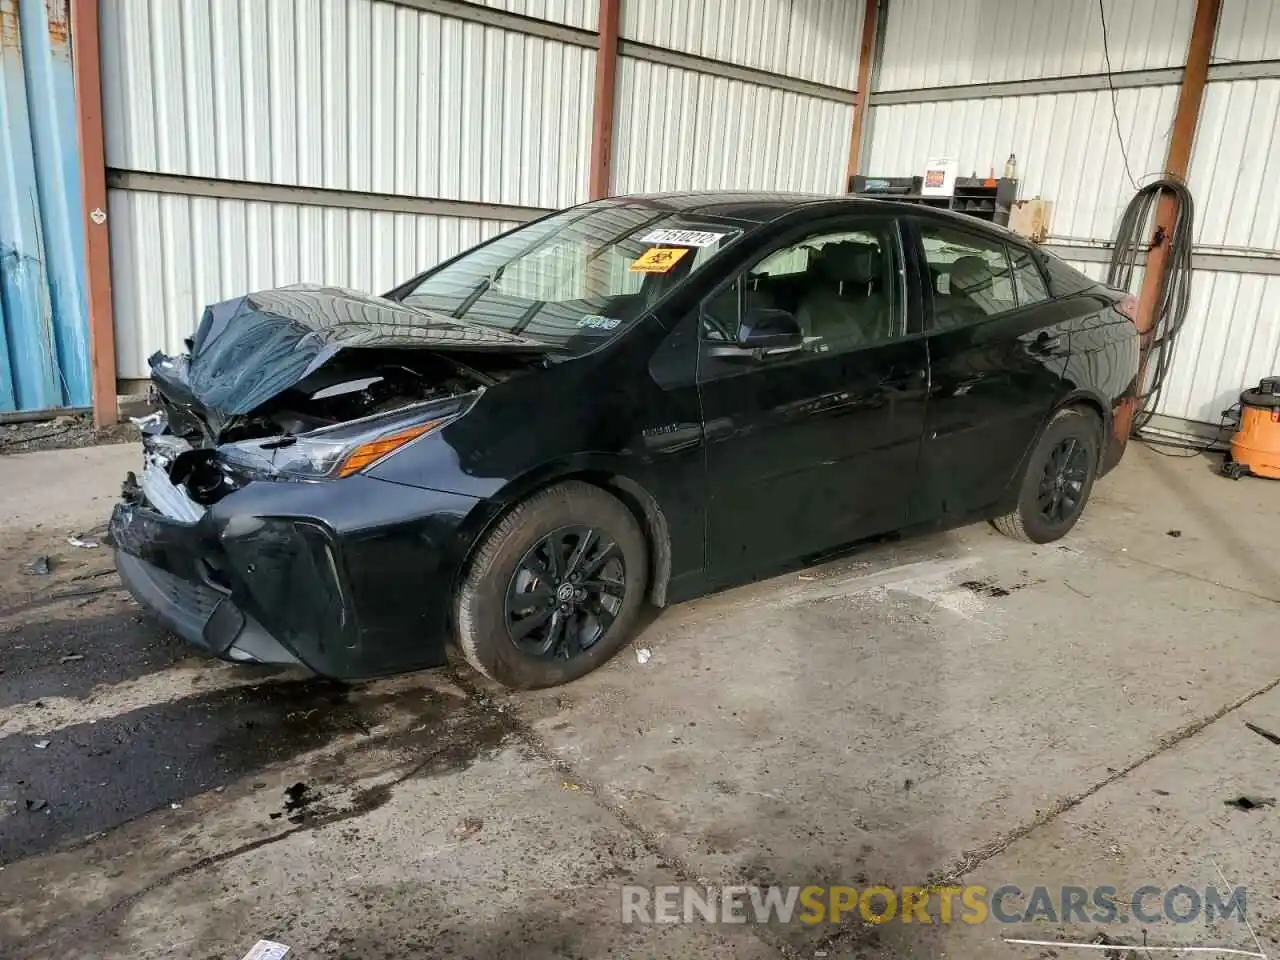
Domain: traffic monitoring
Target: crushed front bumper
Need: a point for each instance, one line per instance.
(193, 605)
(351, 579)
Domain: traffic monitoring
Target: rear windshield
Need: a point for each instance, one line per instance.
(1064, 280)
(575, 278)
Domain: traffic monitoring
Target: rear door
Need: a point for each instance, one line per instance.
(997, 351)
(815, 448)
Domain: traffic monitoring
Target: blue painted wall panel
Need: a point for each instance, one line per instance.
(44, 361)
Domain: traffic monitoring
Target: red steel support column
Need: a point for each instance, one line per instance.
(1185, 120)
(93, 178)
(600, 184)
(860, 106)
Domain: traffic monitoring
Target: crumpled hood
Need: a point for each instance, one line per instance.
(249, 349)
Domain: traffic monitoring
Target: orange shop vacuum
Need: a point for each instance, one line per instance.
(1255, 446)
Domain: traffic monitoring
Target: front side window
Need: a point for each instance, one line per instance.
(576, 278)
(969, 274)
(841, 286)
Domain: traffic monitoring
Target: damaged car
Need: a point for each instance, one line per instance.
(634, 401)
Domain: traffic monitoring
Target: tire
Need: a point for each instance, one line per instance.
(1029, 521)
(512, 570)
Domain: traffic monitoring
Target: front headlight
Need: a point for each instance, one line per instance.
(340, 450)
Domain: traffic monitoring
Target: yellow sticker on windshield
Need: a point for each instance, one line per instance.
(658, 259)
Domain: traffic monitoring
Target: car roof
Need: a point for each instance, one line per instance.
(765, 206)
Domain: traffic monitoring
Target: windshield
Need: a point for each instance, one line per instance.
(574, 279)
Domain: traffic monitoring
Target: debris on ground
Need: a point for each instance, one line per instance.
(41, 744)
(35, 806)
(1265, 734)
(468, 827)
(1173, 533)
(67, 430)
(1244, 802)
(266, 950)
(41, 566)
(71, 658)
(643, 654)
(83, 542)
(296, 797)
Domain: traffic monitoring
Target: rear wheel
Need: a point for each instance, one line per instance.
(554, 589)
(1058, 480)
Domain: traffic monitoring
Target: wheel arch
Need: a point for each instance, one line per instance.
(1079, 399)
(603, 473)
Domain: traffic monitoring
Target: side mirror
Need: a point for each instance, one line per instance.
(769, 330)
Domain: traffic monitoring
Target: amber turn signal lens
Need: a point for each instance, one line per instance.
(370, 453)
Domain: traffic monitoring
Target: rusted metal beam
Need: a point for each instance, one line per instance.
(600, 184)
(1182, 136)
(862, 96)
(87, 68)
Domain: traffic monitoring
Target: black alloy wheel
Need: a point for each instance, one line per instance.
(565, 593)
(1058, 478)
(1066, 470)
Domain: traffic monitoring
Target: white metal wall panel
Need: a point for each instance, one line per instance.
(932, 44)
(1231, 340)
(584, 14)
(1248, 30)
(815, 40)
(346, 94)
(1066, 146)
(1235, 164)
(683, 130)
(172, 255)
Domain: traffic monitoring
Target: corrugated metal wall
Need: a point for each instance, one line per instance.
(684, 130)
(353, 95)
(813, 39)
(583, 14)
(1065, 143)
(936, 43)
(44, 336)
(172, 255)
(378, 97)
(1068, 146)
(348, 95)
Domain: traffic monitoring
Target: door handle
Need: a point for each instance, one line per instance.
(1047, 344)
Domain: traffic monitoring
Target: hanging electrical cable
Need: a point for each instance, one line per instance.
(1173, 296)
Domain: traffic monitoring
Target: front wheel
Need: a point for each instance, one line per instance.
(554, 589)
(1058, 480)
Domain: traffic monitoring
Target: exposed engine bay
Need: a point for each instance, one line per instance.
(189, 443)
(308, 383)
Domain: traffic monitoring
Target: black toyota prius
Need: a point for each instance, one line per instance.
(633, 401)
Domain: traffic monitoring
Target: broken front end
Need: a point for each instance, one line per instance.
(255, 529)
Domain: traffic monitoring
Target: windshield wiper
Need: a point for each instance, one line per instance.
(484, 286)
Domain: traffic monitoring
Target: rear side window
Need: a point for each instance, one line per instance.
(1027, 278)
(970, 275)
(1065, 280)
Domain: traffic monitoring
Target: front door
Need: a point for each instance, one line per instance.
(997, 351)
(814, 448)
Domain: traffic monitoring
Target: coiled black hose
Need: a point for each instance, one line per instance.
(1173, 298)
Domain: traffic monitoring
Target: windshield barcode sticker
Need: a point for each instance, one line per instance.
(687, 238)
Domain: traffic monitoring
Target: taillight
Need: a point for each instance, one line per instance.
(1128, 306)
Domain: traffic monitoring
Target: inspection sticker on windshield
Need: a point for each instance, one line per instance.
(658, 259)
(594, 321)
(689, 238)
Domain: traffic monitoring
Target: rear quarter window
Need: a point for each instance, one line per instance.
(1064, 280)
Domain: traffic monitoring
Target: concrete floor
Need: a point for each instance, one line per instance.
(957, 708)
